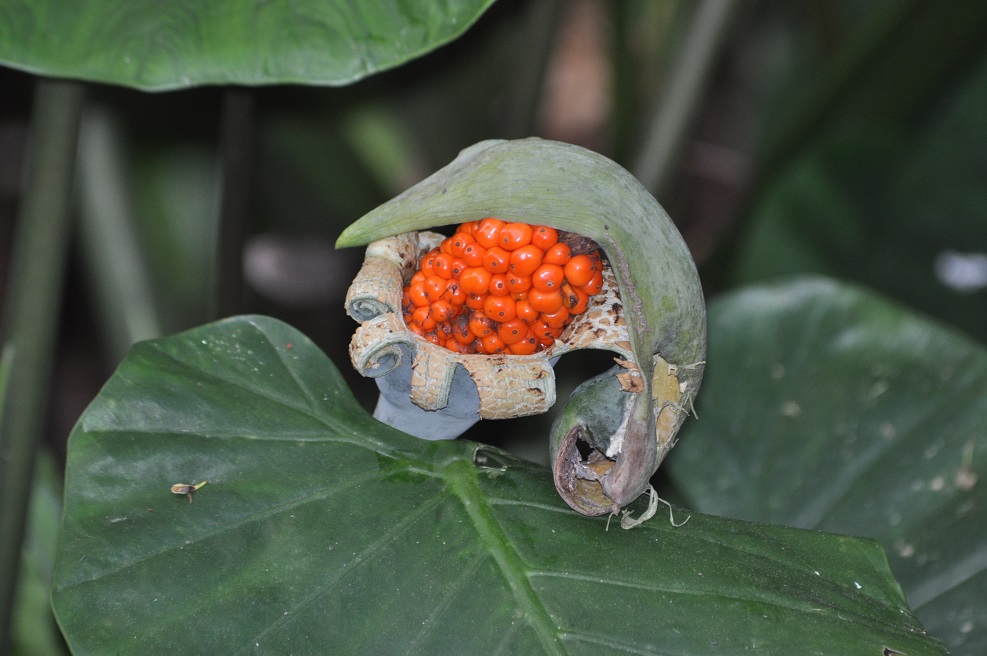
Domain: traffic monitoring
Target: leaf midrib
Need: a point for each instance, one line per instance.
(461, 477)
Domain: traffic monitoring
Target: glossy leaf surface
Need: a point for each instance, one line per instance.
(828, 407)
(169, 45)
(321, 530)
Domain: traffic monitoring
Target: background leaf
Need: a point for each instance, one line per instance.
(157, 46)
(897, 206)
(867, 420)
(323, 531)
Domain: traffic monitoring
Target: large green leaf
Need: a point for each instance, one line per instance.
(323, 531)
(166, 45)
(894, 206)
(828, 407)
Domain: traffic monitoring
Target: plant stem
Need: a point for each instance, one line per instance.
(661, 152)
(31, 315)
(236, 150)
(121, 284)
(537, 36)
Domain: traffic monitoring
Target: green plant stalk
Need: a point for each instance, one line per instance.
(661, 153)
(31, 315)
(121, 284)
(237, 150)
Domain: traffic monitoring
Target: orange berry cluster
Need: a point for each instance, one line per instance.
(498, 287)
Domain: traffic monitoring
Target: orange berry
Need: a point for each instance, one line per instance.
(461, 332)
(441, 311)
(545, 301)
(574, 299)
(422, 316)
(425, 265)
(492, 344)
(512, 331)
(557, 319)
(444, 330)
(500, 308)
(557, 254)
(454, 294)
(473, 255)
(544, 237)
(475, 301)
(525, 260)
(433, 337)
(499, 285)
(418, 277)
(468, 227)
(518, 284)
(497, 260)
(446, 246)
(475, 280)
(542, 331)
(547, 277)
(514, 236)
(442, 265)
(524, 311)
(488, 231)
(416, 293)
(458, 266)
(579, 270)
(460, 241)
(480, 325)
(526, 346)
(434, 287)
(459, 347)
(594, 285)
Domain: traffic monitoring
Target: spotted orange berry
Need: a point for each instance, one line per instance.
(475, 280)
(500, 308)
(524, 311)
(514, 235)
(545, 301)
(434, 286)
(512, 331)
(416, 293)
(544, 237)
(499, 285)
(493, 344)
(442, 265)
(480, 325)
(459, 242)
(547, 278)
(497, 260)
(525, 346)
(594, 285)
(557, 319)
(487, 232)
(423, 317)
(518, 284)
(579, 270)
(574, 299)
(473, 255)
(557, 254)
(525, 260)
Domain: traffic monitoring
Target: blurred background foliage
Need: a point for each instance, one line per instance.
(847, 138)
